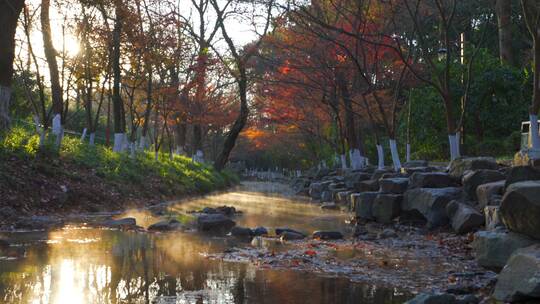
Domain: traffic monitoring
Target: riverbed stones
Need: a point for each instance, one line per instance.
(165, 225)
(215, 223)
(492, 217)
(327, 235)
(431, 203)
(439, 298)
(486, 192)
(472, 179)
(520, 279)
(522, 173)
(430, 180)
(520, 208)
(493, 248)
(463, 218)
(397, 185)
(363, 203)
(459, 166)
(386, 207)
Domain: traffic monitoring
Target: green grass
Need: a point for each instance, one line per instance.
(179, 175)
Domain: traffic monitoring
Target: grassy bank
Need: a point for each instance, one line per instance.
(92, 178)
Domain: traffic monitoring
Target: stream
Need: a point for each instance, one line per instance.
(77, 264)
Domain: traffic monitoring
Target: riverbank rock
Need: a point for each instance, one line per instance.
(460, 165)
(493, 248)
(520, 208)
(431, 203)
(441, 298)
(363, 203)
(166, 225)
(471, 180)
(215, 223)
(327, 235)
(431, 180)
(386, 207)
(316, 189)
(291, 236)
(520, 279)
(367, 186)
(326, 196)
(486, 193)
(521, 173)
(352, 180)
(241, 232)
(463, 218)
(342, 197)
(397, 185)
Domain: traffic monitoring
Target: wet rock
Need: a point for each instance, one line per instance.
(166, 225)
(38, 222)
(316, 189)
(365, 186)
(280, 231)
(431, 180)
(396, 185)
(386, 207)
(493, 248)
(431, 203)
(441, 298)
(486, 192)
(520, 174)
(326, 196)
(290, 236)
(327, 235)
(259, 231)
(415, 163)
(460, 165)
(329, 206)
(463, 218)
(123, 223)
(520, 279)
(241, 232)
(215, 223)
(520, 208)
(492, 217)
(363, 203)
(387, 233)
(471, 180)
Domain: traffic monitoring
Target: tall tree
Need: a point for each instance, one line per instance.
(503, 8)
(9, 15)
(118, 106)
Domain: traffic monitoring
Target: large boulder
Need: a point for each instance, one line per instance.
(431, 180)
(386, 207)
(492, 217)
(316, 189)
(351, 180)
(521, 173)
(439, 298)
(486, 192)
(520, 208)
(472, 179)
(363, 203)
(397, 185)
(520, 279)
(368, 185)
(215, 223)
(493, 248)
(463, 218)
(431, 203)
(459, 166)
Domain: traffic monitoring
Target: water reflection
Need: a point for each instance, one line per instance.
(76, 265)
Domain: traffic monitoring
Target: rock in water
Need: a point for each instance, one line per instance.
(215, 223)
(327, 235)
(241, 232)
(431, 180)
(280, 231)
(386, 207)
(167, 225)
(431, 203)
(463, 218)
(460, 165)
(486, 192)
(520, 279)
(471, 180)
(520, 208)
(290, 236)
(396, 185)
(493, 248)
(441, 298)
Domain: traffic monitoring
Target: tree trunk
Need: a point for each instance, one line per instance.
(56, 88)
(118, 111)
(9, 15)
(503, 8)
(350, 131)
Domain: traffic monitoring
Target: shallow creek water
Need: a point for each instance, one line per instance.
(82, 265)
